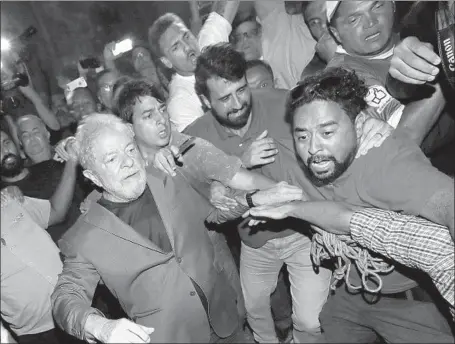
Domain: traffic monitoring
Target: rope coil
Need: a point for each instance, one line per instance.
(326, 246)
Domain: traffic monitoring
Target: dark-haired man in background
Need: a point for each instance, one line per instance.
(177, 48)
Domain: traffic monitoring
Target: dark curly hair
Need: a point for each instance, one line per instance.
(129, 93)
(334, 84)
(220, 61)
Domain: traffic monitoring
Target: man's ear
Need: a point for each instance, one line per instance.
(205, 101)
(358, 123)
(166, 62)
(91, 176)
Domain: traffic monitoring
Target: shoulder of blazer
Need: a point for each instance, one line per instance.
(85, 224)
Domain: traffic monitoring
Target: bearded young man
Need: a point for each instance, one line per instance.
(396, 176)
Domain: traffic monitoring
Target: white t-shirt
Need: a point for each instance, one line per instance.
(287, 45)
(183, 104)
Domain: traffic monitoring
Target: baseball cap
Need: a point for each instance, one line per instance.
(332, 6)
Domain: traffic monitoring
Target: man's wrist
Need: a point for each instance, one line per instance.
(93, 326)
(249, 197)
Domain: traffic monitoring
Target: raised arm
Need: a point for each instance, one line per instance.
(63, 195)
(226, 8)
(48, 117)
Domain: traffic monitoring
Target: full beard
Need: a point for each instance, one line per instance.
(12, 165)
(338, 170)
(238, 122)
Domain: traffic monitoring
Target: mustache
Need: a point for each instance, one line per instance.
(320, 158)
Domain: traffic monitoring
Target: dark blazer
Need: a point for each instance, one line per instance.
(154, 288)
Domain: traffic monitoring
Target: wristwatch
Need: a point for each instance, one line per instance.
(249, 198)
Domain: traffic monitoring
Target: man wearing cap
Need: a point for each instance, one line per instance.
(364, 31)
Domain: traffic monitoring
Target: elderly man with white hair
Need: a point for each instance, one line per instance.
(171, 287)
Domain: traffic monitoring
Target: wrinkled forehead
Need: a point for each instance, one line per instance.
(30, 123)
(111, 140)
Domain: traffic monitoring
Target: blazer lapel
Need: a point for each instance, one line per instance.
(102, 218)
(163, 190)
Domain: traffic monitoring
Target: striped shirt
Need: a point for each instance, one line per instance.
(409, 240)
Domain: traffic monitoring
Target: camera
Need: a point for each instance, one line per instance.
(14, 54)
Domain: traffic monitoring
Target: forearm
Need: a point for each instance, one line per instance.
(247, 180)
(408, 240)
(218, 216)
(264, 8)
(226, 8)
(48, 117)
(72, 312)
(419, 117)
(13, 129)
(330, 216)
(63, 195)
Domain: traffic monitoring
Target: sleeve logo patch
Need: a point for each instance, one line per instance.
(378, 97)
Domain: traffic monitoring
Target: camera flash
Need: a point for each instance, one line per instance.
(5, 45)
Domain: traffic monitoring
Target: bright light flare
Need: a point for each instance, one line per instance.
(5, 44)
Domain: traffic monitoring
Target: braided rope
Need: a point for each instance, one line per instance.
(327, 246)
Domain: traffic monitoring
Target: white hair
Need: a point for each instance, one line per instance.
(88, 130)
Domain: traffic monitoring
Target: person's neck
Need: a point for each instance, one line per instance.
(242, 131)
(148, 152)
(24, 173)
(114, 199)
(44, 156)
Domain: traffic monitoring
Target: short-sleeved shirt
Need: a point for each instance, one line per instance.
(374, 73)
(183, 104)
(30, 265)
(268, 113)
(41, 182)
(287, 45)
(395, 176)
(143, 216)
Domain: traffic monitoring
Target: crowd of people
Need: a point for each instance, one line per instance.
(256, 179)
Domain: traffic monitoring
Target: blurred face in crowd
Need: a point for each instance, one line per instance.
(259, 77)
(11, 161)
(105, 88)
(316, 18)
(117, 165)
(82, 103)
(151, 123)
(180, 49)
(34, 138)
(364, 28)
(325, 139)
(230, 101)
(246, 39)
